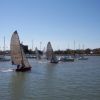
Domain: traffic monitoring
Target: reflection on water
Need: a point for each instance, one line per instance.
(79, 80)
(18, 86)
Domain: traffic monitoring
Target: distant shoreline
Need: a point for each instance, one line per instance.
(78, 54)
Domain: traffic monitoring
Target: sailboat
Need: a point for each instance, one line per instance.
(82, 56)
(17, 54)
(54, 59)
(50, 54)
(37, 54)
(44, 54)
(3, 56)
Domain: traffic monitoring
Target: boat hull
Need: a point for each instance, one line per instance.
(67, 60)
(83, 59)
(4, 60)
(23, 69)
(54, 62)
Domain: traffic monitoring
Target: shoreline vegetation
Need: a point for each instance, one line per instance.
(86, 52)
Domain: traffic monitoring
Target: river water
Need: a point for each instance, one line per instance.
(79, 80)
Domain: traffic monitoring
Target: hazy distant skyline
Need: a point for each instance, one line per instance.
(59, 21)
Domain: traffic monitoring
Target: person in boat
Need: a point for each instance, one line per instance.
(18, 66)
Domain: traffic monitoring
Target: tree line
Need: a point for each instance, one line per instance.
(87, 51)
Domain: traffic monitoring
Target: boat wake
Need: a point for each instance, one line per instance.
(6, 70)
(41, 62)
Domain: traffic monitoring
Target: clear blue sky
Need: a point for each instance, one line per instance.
(58, 21)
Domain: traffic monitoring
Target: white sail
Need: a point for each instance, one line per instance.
(25, 60)
(49, 51)
(17, 54)
(16, 57)
(49, 47)
(50, 54)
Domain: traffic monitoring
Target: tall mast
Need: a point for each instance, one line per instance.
(32, 45)
(40, 45)
(4, 43)
(74, 47)
(79, 46)
(68, 46)
(83, 48)
(4, 46)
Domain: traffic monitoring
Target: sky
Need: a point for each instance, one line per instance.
(62, 22)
